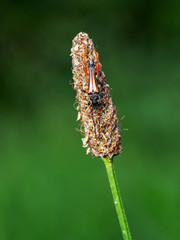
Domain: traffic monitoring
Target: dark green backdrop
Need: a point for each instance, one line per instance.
(49, 188)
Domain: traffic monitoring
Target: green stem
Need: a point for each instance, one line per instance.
(117, 199)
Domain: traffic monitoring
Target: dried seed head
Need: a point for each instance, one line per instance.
(95, 109)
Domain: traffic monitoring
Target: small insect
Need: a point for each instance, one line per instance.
(92, 75)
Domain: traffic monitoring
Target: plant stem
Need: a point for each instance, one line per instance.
(117, 199)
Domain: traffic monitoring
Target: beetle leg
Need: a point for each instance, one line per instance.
(97, 69)
(99, 124)
(93, 122)
(85, 70)
(97, 64)
(85, 67)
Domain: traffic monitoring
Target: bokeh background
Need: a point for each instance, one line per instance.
(49, 188)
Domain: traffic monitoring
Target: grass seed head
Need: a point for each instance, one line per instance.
(100, 125)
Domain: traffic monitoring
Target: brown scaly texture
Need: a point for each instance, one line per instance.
(100, 126)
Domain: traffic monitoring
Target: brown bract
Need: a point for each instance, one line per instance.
(100, 125)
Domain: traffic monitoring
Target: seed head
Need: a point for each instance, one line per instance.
(96, 111)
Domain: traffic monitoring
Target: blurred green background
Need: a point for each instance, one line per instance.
(49, 188)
